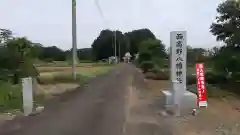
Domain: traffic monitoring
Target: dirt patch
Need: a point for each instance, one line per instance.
(222, 117)
(156, 86)
(5, 117)
(54, 89)
(143, 116)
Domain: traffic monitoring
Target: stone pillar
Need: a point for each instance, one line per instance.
(178, 67)
(27, 90)
(177, 98)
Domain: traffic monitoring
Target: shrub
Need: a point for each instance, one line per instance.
(166, 66)
(236, 76)
(144, 56)
(210, 78)
(10, 96)
(158, 61)
(155, 69)
(146, 66)
(191, 79)
(215, 78)
(212, 91)
(156, 73)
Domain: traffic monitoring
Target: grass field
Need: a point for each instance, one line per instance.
(50, 75)
(85, 70)
(52, 79)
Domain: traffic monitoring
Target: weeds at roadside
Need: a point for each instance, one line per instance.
(10, 96)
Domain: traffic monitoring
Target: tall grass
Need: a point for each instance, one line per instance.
(10, 96)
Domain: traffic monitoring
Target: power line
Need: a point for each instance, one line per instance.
(99, 9)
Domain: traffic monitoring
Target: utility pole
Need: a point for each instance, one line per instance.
(115, 46)
(74, 39)
(119, 52)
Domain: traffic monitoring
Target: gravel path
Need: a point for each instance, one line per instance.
(104, 106)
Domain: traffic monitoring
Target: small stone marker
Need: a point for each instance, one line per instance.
(27, 90)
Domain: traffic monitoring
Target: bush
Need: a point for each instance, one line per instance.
(156, 73)
(215, 78)
(236, 76)
(10, 96)
(158, 61)
(165, 66)
(144, 56)
(146, 66)
(212, 91)
(155, 69)
(210, 78)
(191, 79)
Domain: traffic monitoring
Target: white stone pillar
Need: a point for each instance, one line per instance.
(27, 90)
(178, 66)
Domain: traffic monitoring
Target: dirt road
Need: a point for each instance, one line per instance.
(96, 109)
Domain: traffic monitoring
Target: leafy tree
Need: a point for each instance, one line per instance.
(52, 53)
(103, 46)
(135, 37)
(195, 55)
(151, 52)
(227, 60)
(5, 35)
(36, 50)
(155, 47)
(17, 59)
(227, 25)
(227, 29)
(85, 54)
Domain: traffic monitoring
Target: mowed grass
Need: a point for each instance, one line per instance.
(64, 64)
(49, 75)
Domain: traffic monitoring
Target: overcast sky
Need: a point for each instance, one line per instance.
(49, 21)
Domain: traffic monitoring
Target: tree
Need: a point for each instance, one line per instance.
(195, 55)
(227, 29)
(227, 60)
(52, 53)
(227, 25)
(135, 37)
(5, 35)
(214, 51)
(85, 54)
(36, 50)
(17, 59)
(151, 53)
(103, 46)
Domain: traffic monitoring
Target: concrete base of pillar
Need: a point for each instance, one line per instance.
(188, 103)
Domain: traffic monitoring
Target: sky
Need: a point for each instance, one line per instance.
(49, 21)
